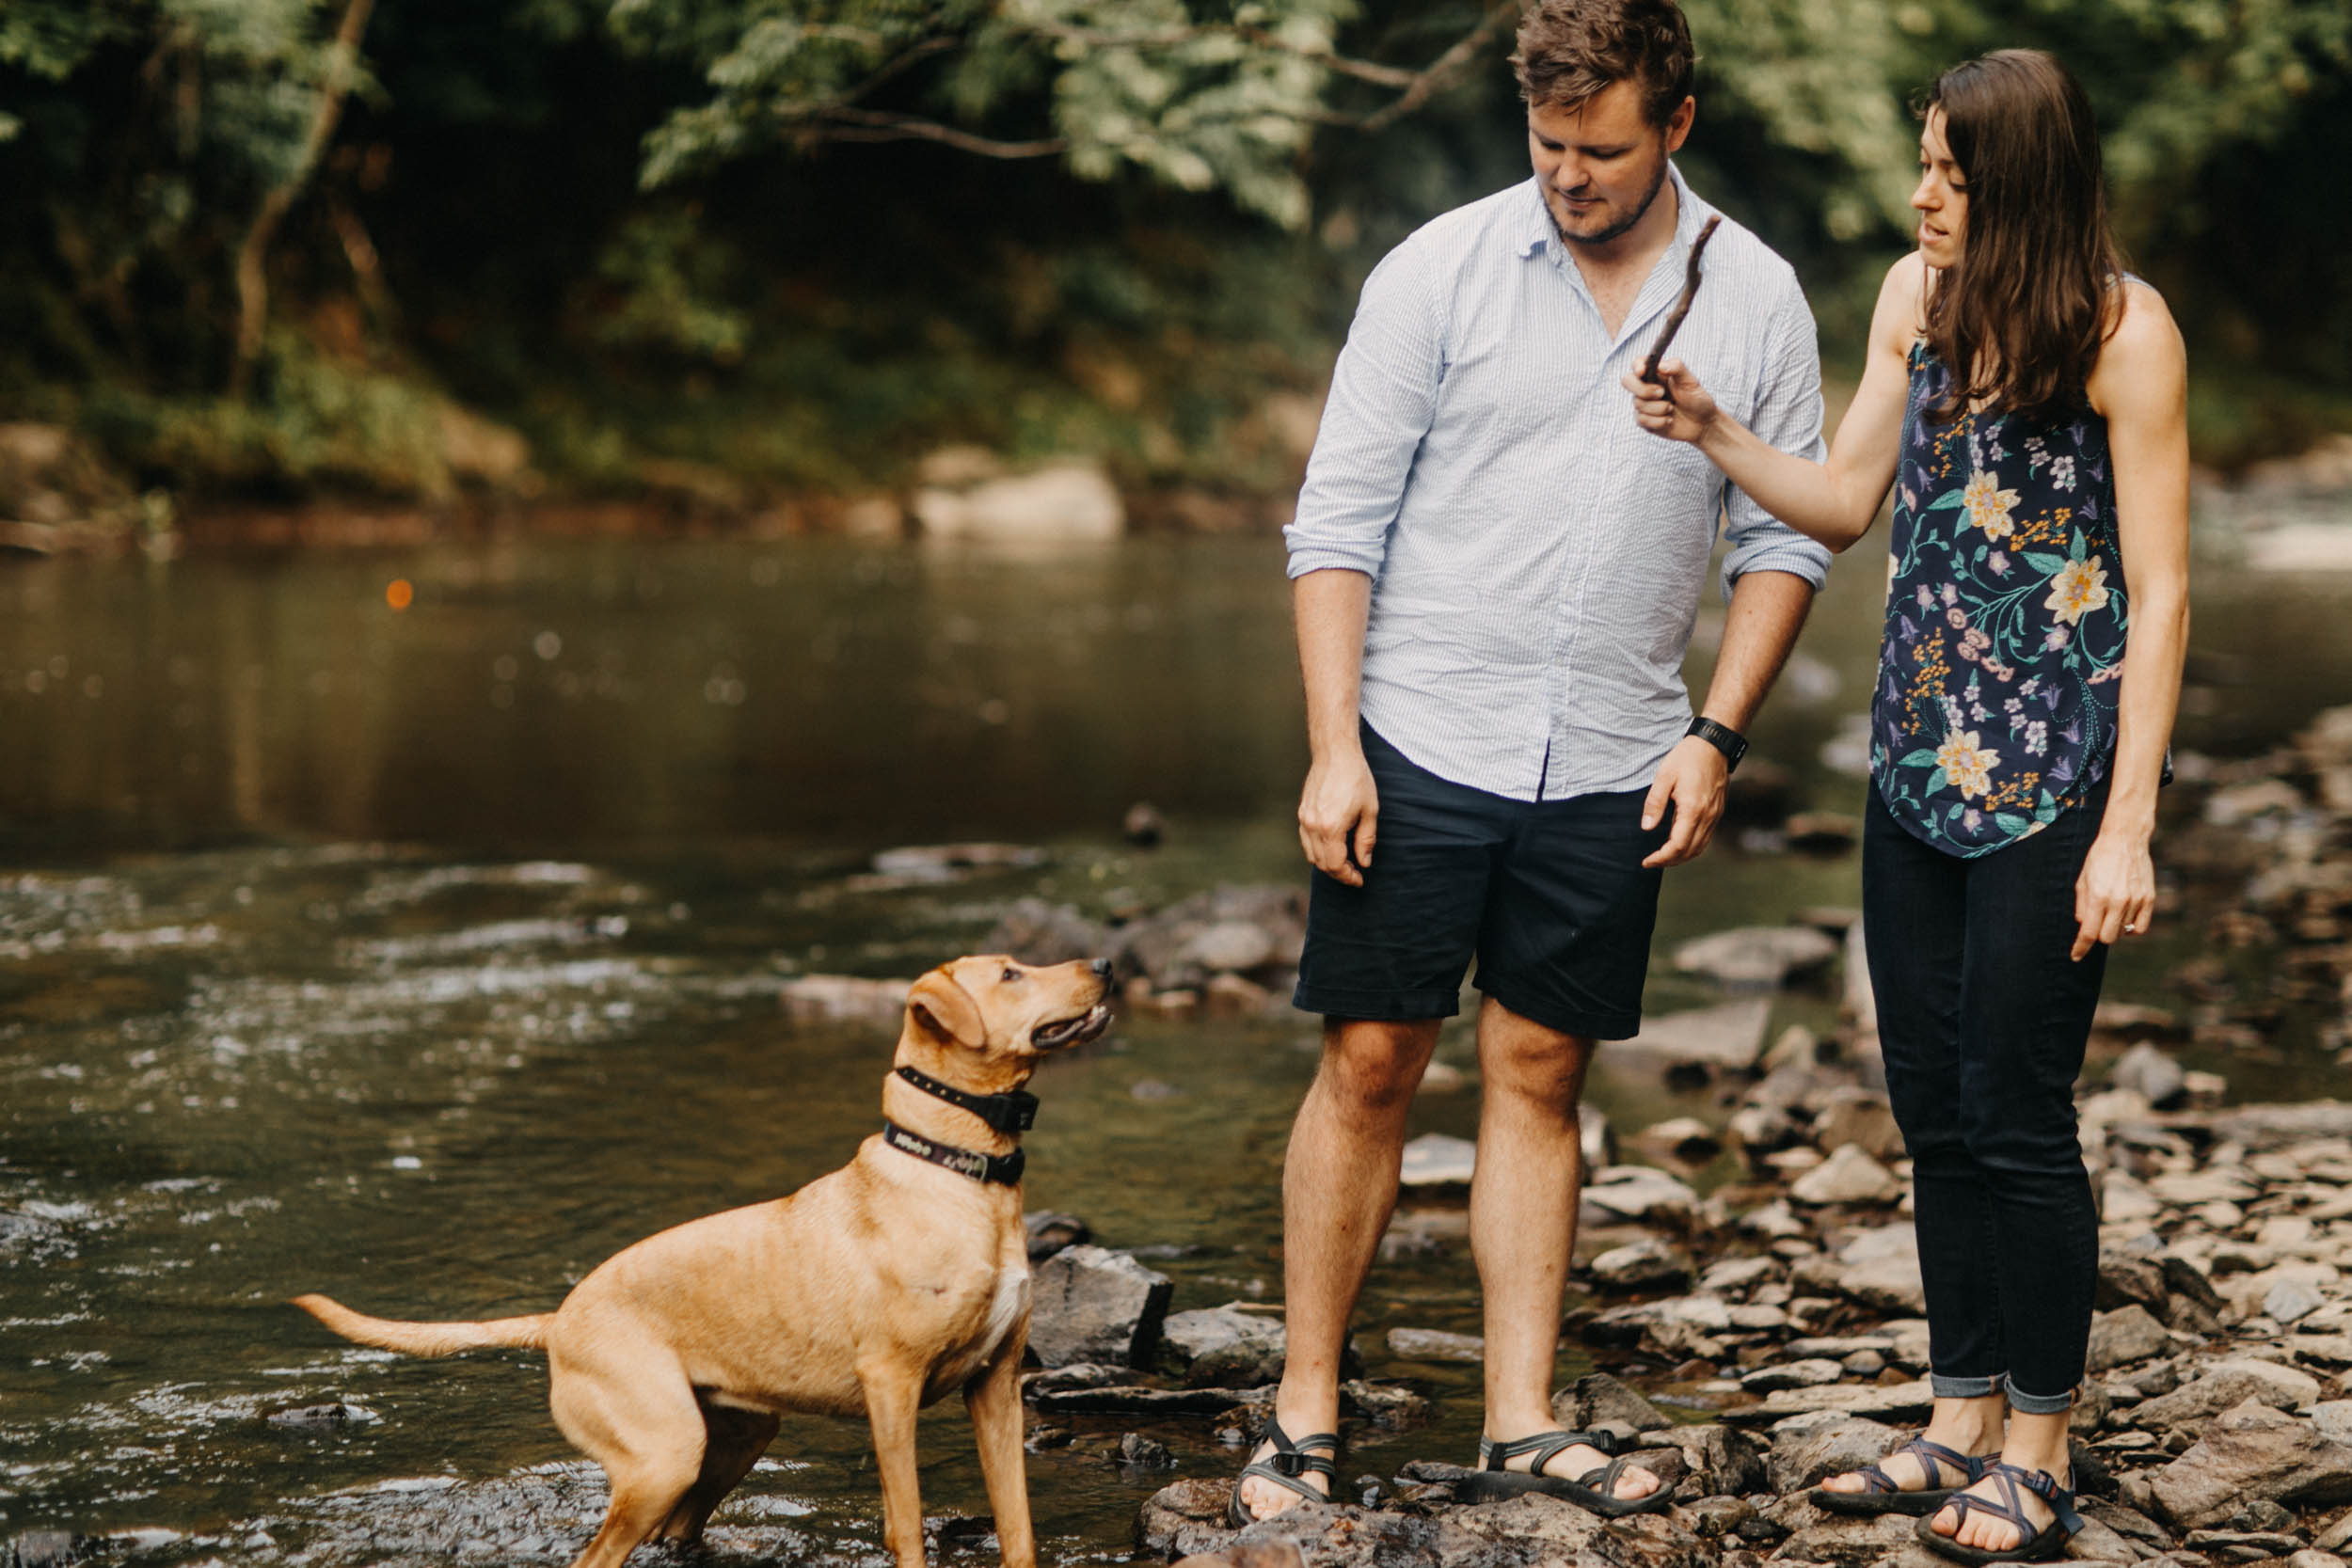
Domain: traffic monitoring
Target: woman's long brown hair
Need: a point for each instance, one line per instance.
(2020, 319)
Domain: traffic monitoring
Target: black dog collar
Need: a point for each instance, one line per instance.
(1013, 1112)
(1002, 1169)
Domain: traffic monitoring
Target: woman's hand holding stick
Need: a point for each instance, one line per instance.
(1679, 393)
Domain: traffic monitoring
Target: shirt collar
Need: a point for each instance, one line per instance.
(1538, 235)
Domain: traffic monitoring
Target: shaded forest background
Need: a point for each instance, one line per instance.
(275, 249)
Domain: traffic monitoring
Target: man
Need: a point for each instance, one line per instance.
(1495, 580)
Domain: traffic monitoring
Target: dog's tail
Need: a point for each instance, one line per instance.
(427, 1338)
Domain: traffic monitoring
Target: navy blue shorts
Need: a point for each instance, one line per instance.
(1550, 897)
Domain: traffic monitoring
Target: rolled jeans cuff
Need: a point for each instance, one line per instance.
(2038, 1404)
(1962, 1387)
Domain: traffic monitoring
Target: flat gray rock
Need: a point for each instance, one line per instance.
(1437, 1159)
(1757, 956)
(1850, 1175)
(1224, 1347)
(1431, 1344)
(1727, 1037)
(2251, 1450)
(2129, 1333)
(1900, 1402)
(1091, 1304)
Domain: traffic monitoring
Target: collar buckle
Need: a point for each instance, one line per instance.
(1014, 1111)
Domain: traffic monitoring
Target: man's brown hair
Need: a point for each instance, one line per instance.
(1569, 50)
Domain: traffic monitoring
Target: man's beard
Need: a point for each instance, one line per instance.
(1624, 224)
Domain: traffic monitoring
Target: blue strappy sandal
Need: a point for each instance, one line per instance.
(1881, 1494)
(1285, 1467)
(1595, 1489)
(2046, 1546)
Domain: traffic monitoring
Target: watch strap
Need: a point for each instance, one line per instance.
(1730, 743)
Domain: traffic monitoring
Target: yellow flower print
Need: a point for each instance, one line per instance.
(1964, 762)
(1988, 504)
(2080, 588)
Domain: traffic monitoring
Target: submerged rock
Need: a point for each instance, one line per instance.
(1431, 1344)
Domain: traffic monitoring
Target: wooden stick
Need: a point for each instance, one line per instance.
(1682, 306)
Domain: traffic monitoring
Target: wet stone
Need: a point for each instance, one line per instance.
(1091, 1304)
(1431, 1344)
(1825, 1446)
(1850, 1175)
(1437, 1159)
(1648, 1264)
(1598, 1399)
(324, 1415)
(1224, 1347)
(1138, 1453)
(1757, 956)
(1793, 1374)
(1051, 1230)
(43, 1548)
(1857, 1116)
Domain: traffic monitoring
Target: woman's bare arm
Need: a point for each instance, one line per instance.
(1833, 502)
(2141, 386)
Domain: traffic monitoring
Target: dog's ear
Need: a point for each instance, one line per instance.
(945, 1011)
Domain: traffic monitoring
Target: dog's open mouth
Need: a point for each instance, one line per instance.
(1071, 1031)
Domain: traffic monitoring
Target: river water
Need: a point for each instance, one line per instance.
(429, 954)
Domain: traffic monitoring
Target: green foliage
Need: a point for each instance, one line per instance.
(1225, 102)
(805, 240)
(312, 423)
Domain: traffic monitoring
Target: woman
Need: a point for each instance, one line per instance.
(2024, 397)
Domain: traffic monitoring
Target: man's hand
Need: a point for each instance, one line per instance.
(1691, 779)
(1339, 804)
(2116, 894)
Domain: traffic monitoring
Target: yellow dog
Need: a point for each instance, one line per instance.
(876, 1289)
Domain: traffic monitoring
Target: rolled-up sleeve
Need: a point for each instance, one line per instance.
(1787, 415)
(1384, 394)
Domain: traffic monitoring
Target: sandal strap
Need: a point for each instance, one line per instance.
(1289, 1459)
(1543, 1447)
(2011, 1510)
(1876, 1480)
(2043, 1485)
(1604, 1479)
(1932, 1457)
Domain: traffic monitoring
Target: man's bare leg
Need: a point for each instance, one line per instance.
(1339, 1188)
(1523, 1206)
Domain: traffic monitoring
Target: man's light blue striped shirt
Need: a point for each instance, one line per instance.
(1537, 557)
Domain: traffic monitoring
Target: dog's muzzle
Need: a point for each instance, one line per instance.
(1072, 1031)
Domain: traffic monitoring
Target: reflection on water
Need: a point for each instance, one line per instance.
(597, 693)
(430, 956)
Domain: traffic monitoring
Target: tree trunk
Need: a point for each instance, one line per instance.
(253, 255)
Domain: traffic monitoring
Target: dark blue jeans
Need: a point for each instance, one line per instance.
(1983, 1018)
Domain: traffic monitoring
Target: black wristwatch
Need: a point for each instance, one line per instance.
(1723, 737)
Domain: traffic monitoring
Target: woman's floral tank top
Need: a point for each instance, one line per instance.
(1995, 708)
